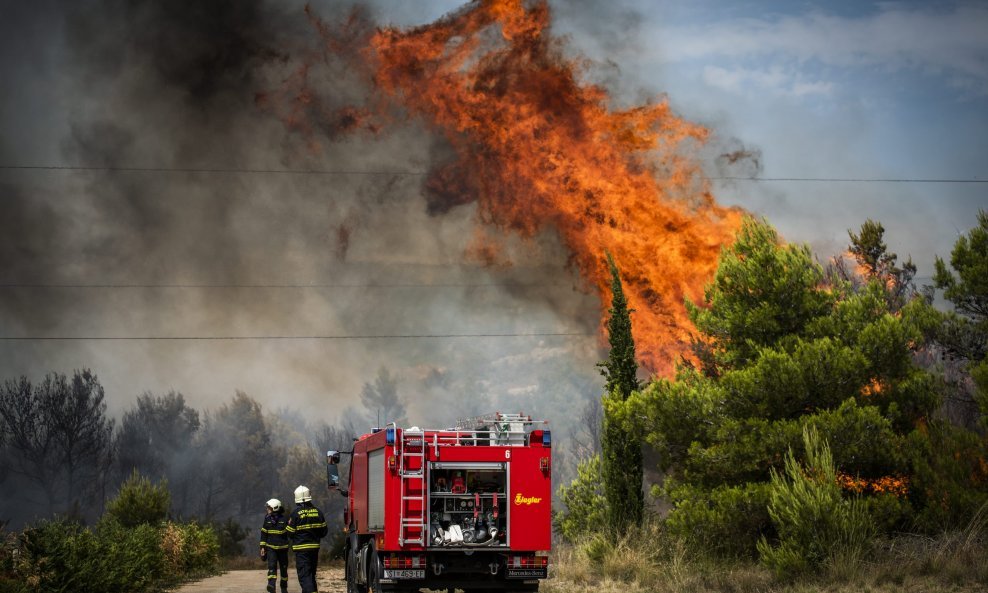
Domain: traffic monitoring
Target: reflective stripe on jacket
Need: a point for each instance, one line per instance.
(274, 532)
(306, 527)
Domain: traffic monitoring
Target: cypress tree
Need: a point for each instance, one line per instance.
(621, 449)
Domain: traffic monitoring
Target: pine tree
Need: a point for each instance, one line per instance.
(968, 289)
(786, 350)
(621, 449)
(877, 263)
(964, 333)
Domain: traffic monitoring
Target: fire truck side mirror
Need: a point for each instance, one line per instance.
(333, 471)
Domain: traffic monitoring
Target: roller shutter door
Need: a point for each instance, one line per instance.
(375, 489)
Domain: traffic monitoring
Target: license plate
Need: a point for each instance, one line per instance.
(404, 573)
(528, 573)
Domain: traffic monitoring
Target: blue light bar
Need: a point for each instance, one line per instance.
(389, 436)
(546, 438)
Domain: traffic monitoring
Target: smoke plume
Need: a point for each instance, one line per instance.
(184, 224)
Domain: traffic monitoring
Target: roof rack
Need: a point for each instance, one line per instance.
(495, 418)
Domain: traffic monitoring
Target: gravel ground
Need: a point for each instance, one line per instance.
(330, 580)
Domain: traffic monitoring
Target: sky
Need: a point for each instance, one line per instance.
(873, 90)
(818, 90)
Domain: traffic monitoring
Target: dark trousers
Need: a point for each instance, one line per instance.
(305, 564)
(277, 559)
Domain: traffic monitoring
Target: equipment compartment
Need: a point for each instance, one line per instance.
(468, 505)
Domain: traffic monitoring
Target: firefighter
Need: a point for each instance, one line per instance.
(306, 526)
(274, 544)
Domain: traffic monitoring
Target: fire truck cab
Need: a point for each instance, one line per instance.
(467, 507)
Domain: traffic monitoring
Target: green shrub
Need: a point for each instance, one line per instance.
(949, 476)
(888, 511)
(130, 558)
(10, 582)
(53, 551)
(815, 525)
(140, 502)
(62, 556)
(720, 521)
(189, 549)
(596, 548)
(584, 502)
(202, 548)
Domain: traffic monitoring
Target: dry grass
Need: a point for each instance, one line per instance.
(255, 563)
(647, 562)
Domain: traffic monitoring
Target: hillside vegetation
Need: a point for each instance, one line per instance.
(133, 547)
(827, 424)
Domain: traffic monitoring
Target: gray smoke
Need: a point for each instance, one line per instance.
(164, 249)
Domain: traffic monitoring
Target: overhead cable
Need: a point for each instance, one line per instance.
(398, 172)
(310, 337)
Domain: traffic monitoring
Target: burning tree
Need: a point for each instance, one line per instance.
(784, 350)
(876, 262)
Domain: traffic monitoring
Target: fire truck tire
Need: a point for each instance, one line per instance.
(350, 568)
(374, 578)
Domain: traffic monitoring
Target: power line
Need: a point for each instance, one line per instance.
(253, 171)
(208, 170)
(851, 179)
(293, 338)
(287, 286)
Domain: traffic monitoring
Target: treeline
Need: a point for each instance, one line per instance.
(825, 417)
(62, 455)
(90, 503)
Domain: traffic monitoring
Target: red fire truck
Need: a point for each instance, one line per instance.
(467, 507)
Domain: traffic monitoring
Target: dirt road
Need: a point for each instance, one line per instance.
(253, 581)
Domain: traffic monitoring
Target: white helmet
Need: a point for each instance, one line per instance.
(274, 503)
(302, 494)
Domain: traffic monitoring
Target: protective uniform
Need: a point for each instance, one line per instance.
(306, 526)
(274, 545)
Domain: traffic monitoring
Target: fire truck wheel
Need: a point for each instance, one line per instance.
(351, 572)
(374, 580)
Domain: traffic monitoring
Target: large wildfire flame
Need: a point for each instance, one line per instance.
(537, 149)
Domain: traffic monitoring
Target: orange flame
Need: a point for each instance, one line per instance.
(897, 486)
(873, 388)
(860, 270)
(537, 149)
(866, 274)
